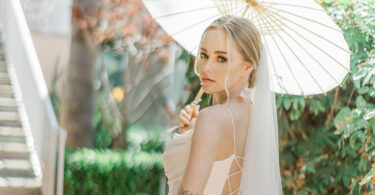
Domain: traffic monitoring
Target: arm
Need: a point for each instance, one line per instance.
(207, 136)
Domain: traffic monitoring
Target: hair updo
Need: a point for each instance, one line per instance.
(246, 36)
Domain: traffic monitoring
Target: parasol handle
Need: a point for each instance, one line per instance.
(197, 99)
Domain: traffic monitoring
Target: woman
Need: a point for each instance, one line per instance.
(234, 147)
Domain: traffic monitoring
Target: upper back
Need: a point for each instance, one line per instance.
(240, 114)
(228, 166)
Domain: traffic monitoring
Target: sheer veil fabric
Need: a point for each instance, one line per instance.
(261, 173)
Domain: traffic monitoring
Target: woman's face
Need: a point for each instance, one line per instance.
(213, 63)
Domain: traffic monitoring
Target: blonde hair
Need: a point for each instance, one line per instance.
(247, 38)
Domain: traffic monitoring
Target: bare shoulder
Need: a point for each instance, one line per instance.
(214, 119)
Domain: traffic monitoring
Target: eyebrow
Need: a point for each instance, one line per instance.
(223, 52)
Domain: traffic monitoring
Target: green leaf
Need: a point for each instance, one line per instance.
(346, 181)
(357, 84)
(342, 117)
(310, 168)
(279, 101)
(287, 103)
(363, 90)
(360, 102)
(296, 114)
(295, 103)
(352, 140)
(353, 186)
(302, 102)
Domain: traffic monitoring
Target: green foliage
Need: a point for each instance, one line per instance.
(104, 171)
(327, 147)
(145, 140)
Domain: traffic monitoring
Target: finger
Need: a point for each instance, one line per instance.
(185, 121)
(185, 114)
(182, 126)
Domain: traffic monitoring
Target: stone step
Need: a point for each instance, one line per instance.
(17, 139)
(11, 131)
(8, 104)
(20, 185)
(14, 151)
(12, 134)
(16, 168)
(6, 91)
(3, 64)
(9, 119)
(4, 78)
(3, 69)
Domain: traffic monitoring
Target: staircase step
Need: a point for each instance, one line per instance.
(11, 131)
(16, 168)
(12, 134)
(4, 78)
(8, 104)
(14, 151)
(6, 91)
(9, 119)
(20, 185)
(11, 138)
(3, 64)
(3, 69)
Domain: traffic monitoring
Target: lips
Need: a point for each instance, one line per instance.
(207, 79)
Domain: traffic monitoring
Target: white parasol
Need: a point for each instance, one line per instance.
(307, 51)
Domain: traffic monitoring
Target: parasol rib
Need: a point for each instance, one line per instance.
(183, 12)
(299, 16)
(286, 61)
(310, 31)
(285, 4)
(312, 76)
(313, 43)
(317, 61)
(192, 25)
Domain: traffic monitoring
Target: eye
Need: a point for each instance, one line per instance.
(222, 59)
(203, 55)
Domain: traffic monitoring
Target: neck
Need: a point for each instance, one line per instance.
(221, 97)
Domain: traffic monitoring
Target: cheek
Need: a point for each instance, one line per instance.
(233, 78)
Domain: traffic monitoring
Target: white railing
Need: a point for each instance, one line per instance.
(48, 137)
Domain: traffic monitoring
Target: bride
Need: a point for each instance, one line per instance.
(234, 147)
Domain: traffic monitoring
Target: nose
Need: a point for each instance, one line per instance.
(208, 65)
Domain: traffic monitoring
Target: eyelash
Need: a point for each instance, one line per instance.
(219, 57)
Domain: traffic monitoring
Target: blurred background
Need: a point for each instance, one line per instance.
(89, 87)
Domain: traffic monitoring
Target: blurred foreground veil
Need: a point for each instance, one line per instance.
(261, 173)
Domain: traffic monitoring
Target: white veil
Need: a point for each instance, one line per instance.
(261, 173)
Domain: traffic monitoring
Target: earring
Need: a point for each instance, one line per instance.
(247, 93)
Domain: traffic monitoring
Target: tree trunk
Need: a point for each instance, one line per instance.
(119, 142)
(77, 106)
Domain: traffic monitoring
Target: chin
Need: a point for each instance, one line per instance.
(207, 89)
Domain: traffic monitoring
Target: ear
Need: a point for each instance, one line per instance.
(248, 67)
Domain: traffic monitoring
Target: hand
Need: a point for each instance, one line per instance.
(186, 122)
